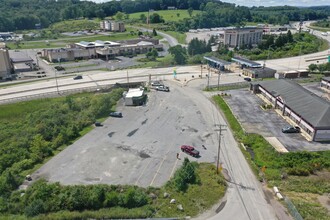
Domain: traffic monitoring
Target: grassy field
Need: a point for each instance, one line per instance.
(181, 37)
(67, 40)
(168, 15)
(75, 25)
(159, 62)
(323, 28)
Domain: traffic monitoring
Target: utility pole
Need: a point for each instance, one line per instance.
(219, 79)
(58, 92)
(127, 76)
(208, 78)
(219, 147)
(299, 58)
(201, 70)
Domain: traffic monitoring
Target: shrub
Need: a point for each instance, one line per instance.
(185, 175)
(35, 208)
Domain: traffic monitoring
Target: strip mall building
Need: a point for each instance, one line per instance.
(308, 111)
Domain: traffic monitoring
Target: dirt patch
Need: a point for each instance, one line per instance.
(325, 201)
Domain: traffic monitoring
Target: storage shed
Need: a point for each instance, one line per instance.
(325, 83)
(135, 97)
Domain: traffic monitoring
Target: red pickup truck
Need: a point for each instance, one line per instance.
(190, 150)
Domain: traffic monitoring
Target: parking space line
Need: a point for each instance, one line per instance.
(176, 162)
(159, 169)
(142, 172)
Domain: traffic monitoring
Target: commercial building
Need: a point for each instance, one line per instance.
(101, 49)
(292, 74)
(253, 69)
(22, 62)
(308, 111)
(325, 83)
(114, 26)
(5, 64)
(239, 37)
(216, 63)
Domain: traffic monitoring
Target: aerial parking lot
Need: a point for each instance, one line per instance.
(140, 148)
(247, 108)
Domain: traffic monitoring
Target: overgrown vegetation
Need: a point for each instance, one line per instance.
(32, 131)
(54, 201)
(320, 68)
(323, 24)
(287, 45)
(75, 25)
(292, 172)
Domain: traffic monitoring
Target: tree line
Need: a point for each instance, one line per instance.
(25, 14)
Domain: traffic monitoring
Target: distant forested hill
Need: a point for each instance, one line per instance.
(24, 14)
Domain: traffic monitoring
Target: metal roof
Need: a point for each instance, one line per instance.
(144, 43)
(106, 43)
(86, 44)
(246, 62)
(217, 61)
(309, 106)
(326, 78)
(134, 93)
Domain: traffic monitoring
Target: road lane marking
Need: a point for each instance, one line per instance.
(176, 162)
(138, 180)
(161, 164)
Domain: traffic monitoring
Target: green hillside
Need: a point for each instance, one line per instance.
(168, 15)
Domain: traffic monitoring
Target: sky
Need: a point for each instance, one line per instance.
(250, 3)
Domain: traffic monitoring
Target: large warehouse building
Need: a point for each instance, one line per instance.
(310, 112)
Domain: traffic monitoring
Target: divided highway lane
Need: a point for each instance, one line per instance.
(93, 79)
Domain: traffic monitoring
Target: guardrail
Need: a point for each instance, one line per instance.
(56, 94)
(238, 84)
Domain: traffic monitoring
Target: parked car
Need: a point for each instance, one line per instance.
(77, 77)
(98, 124)
(28, 178)
(116, 114)
(291, 129)
(190, 150)
(247, 79)
(163, 88)
(156, 83)
(59, 68)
